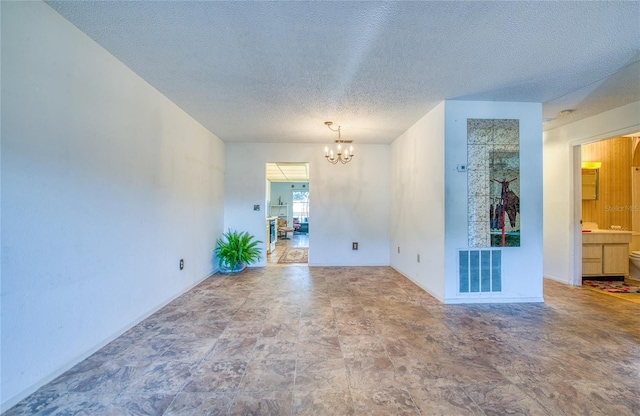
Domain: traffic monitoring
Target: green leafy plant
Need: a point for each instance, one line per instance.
(235, 250)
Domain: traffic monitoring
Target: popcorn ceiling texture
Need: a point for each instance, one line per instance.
(275, 71)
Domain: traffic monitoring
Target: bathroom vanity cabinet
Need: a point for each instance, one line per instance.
(605, 253)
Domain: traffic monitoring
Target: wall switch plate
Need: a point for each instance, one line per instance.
(181, 264)
(462, 168)
(354, 246)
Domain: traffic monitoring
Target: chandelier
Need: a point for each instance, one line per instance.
(339, 156)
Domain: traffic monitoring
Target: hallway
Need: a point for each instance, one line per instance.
(358, 340)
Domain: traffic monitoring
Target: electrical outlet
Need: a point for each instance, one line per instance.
(354, 246)
(181, 264)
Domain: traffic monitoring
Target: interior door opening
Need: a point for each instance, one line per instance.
(288, 213)
(606, 199)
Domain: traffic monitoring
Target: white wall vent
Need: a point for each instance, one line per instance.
(480, 270)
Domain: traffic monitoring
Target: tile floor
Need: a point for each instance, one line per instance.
(295, 240)
(358, 341)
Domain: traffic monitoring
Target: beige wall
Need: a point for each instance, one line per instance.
(614, 203)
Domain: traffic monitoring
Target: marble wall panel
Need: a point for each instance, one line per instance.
(492, 154)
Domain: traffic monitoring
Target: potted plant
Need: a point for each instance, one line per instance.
(235, 250)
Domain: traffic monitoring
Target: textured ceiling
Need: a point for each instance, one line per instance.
(275, 71)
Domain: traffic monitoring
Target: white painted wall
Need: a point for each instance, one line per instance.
(522, 266)
(417, 202)
(429, 202)
(559, 228)
(348, 202)
(106, 185)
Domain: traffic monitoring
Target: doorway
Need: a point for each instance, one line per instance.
(288, 205)
(613, 202)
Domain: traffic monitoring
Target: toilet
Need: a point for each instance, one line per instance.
(634, 256)
(634, 265)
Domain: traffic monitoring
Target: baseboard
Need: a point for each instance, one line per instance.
(564, 280)
(438, 298)
(17, 398)
(458, 301)
(471, 300)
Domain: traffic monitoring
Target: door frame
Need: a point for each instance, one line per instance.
(268, 202)
(575, 275)
(575, 264)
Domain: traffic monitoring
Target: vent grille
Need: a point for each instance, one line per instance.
(480, 271)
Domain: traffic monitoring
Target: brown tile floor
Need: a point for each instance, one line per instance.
(363, 341)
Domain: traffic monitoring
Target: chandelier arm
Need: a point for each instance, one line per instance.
(333, 161)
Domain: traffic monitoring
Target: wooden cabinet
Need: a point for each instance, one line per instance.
(605, 254)
(615, 259)
(591, 259)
